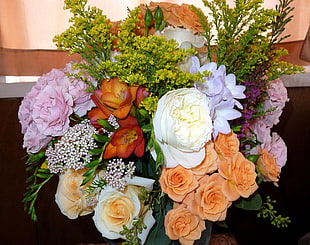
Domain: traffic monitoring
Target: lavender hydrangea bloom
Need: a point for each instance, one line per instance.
(222, 91)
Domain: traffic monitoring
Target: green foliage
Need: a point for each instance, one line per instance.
(89, 35)
(246, 34)
(161, 205)
(254, 202)
(38, 177)
(95, 187)
(96, 162)
(268, 211)
(148, 60)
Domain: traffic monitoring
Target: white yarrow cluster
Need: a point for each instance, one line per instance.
(72, 150)
(117, 172)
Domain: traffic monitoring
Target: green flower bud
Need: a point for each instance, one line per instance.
(148, 17)
(158, 16)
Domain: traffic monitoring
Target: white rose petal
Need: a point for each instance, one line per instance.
(184, 37)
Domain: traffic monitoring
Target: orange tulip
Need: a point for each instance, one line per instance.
(126, 140)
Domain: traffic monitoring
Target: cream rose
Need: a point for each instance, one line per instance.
(69, 196)
(116, 209)
(183, 126)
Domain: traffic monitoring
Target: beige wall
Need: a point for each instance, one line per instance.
(38, 21)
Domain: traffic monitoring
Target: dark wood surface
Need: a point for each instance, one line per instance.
(52, 228)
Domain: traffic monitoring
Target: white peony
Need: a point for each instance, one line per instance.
(183, 126)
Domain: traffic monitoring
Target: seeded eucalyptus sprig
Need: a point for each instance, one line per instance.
(131, 234)
(268, 211)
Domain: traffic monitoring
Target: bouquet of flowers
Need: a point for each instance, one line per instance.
(166, 120)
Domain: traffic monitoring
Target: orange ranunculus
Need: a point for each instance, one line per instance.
(267, 166)
(240, 177)
(177, 182)
(113, 97)
(227, 145)
(126, 140)
(181, 224)
(210, 162)
(208, 201)
(175, 15)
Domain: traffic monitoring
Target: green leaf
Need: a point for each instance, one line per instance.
(86, 179)
(104, 123)
(96, 151)
(29, 197)
(43, 175)
(253, 158)
(44, 170)
(30, 168)
(157, 234)
(30, 178)
(35, 157)
(144, 113)
(93, 163)
(254, 202)
(147, 128)
(101, 138)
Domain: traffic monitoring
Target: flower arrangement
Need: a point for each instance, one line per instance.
(161, 126)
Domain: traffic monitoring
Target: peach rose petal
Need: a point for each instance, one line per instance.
(181, 224)
(177, 182)
(268, 167)
(209, 201)
(240, 177)
(210, 162)
(227, 145)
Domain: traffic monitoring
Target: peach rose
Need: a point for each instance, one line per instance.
(175, 15)
(177, 182)
(209, 201)
(69, 196)
(240, 177)
(227, 145)
(268, 167)
(181, 224)
(209, 163)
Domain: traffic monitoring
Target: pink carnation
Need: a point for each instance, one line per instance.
(277, 98)
(45, 110)
(261, 130)
(278, 148)
(277, 91)
(51, 110)
(34, 140)
(78, 89)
